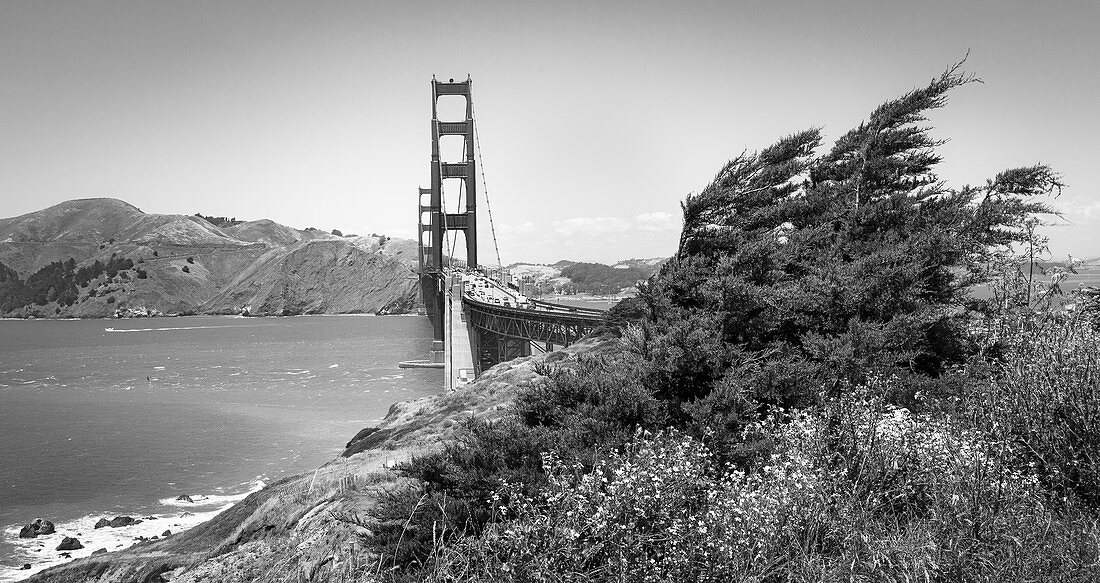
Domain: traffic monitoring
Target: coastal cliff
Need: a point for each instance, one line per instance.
(310, 524)
(94, 258)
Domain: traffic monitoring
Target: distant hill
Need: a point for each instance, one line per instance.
(576, 276)
(646, 266)
(95, 257)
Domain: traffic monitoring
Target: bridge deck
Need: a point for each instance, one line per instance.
(539, 322)
(458, 351)
(486, 323)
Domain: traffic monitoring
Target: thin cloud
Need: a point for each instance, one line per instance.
(591, 226)
(1079, 211)
(606, 239)
(658, 222)
(524, 229)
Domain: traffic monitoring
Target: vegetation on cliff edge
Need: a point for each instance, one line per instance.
(806, 391)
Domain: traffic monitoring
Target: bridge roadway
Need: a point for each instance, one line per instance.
(487, 323)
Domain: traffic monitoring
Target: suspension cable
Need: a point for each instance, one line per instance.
(485, 190)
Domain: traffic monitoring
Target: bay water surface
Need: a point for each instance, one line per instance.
(102, 418)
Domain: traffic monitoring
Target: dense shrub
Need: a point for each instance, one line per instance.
(863, 492)
(450, 489)
(56, 282)
(218, 221)
(1044, 396)
(600, 278)
(597, 402)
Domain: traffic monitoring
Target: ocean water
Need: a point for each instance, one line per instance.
(100, 418)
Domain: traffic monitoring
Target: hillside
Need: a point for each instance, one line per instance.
(95, 257)
(575, 276)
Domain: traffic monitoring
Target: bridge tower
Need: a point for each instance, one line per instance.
(435, 221)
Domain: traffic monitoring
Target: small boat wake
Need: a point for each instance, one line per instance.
(113, 329)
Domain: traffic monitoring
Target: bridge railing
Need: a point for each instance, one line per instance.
(537, 310)
(539, 304)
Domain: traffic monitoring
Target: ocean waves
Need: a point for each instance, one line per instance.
(174, 515)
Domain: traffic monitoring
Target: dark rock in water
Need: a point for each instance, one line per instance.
(25, 567)
(99, 552)
(118, 521)
(183, 498)
(186, 514)
(69, 544)
(166, 534)
(37, 528)
(154, 537)
(150, 518)
(66, 555)
(102, 522)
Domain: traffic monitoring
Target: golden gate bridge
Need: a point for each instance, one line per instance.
(478, 319)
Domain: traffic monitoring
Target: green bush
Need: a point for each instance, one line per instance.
(863, 491)
(449, 494)
(1044, 399)
(600, 278)
(593, 405)
(598, 402)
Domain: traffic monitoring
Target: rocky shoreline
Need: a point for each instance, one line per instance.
(44, 544)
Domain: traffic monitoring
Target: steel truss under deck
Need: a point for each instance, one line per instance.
(506, 333)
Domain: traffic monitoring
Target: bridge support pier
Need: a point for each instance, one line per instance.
(491, 348)
(434, 305)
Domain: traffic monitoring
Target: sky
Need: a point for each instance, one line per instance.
(595, 119)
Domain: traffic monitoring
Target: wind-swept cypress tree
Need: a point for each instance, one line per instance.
(797, 270)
